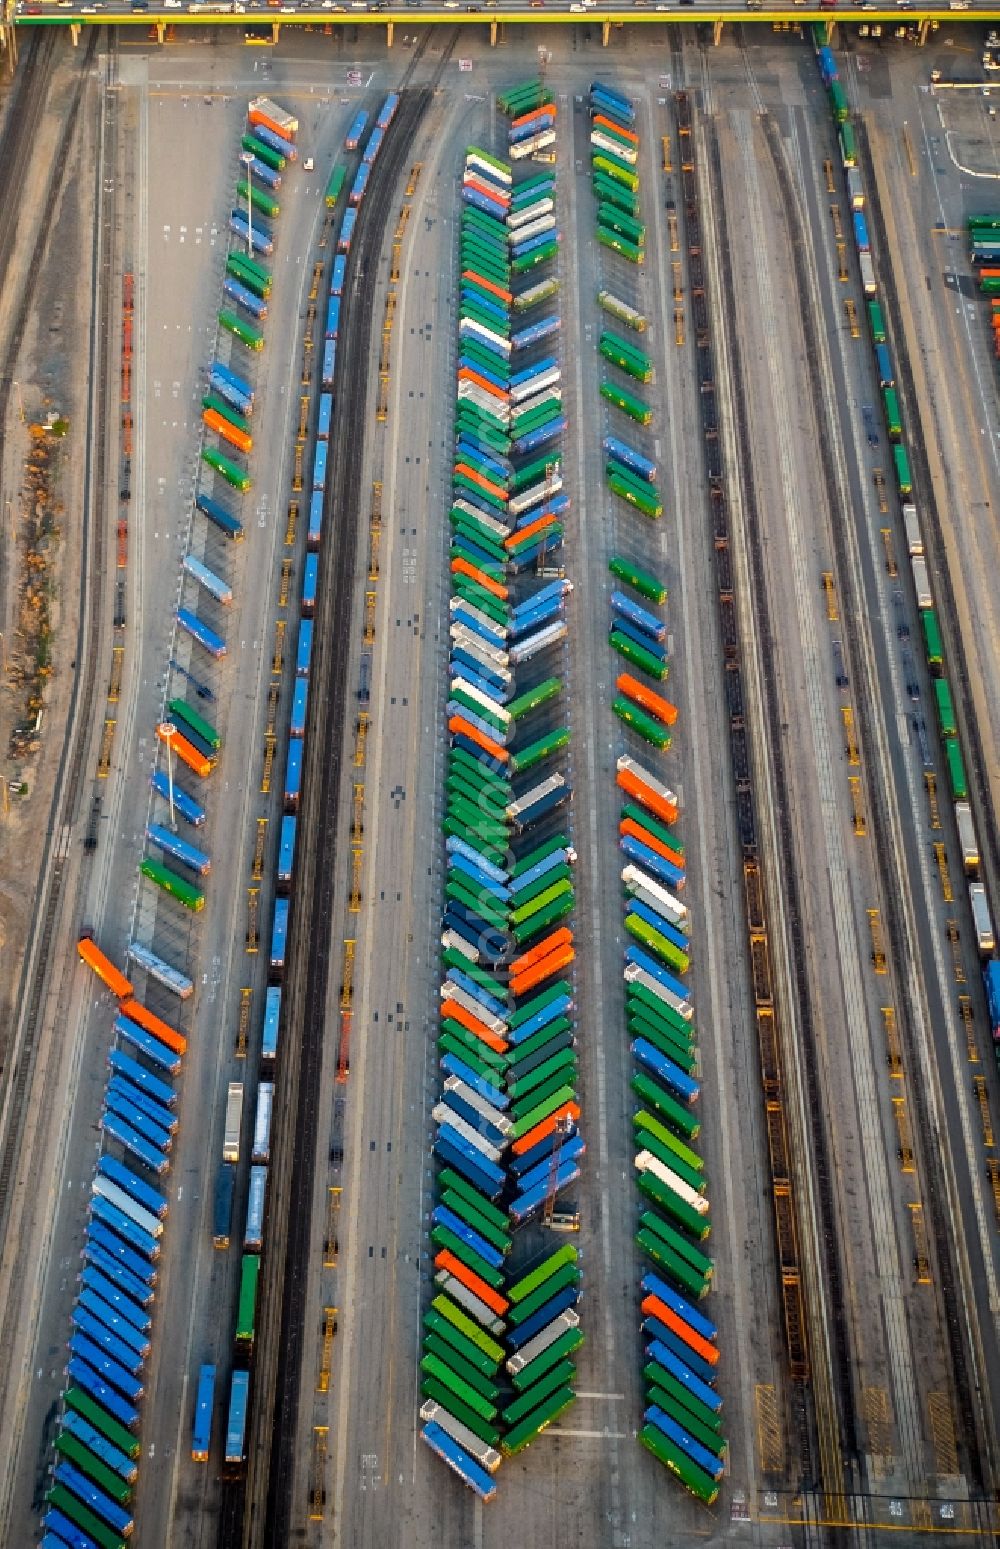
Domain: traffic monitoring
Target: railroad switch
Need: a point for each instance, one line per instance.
(107, 743)
(986, 1118)
(930, 781)
(968, 1022)
(326, 1351)
(286, 576)
(878, 941)
(253, 907)
(893, 1052)
(878, 479)
(941, 856)
(257, 868)
(902, 1118)
(317, 1470)
(265, 778)
(891, 567)
(860, 825)
(921, 1249)
(347, 978)
(331, 1247)
(243, 1026)
(279, 648)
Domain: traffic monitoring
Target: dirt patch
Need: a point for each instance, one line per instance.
(42, 498)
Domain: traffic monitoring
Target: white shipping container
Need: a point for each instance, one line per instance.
(867, 274)
(921, 584)
(967, 837)
(914, 542)
(985, 939)
(234, 1116)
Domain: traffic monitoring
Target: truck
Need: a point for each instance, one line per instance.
(222, 1204)
(967, 838)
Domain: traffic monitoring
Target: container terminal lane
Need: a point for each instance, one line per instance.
(504, 1045)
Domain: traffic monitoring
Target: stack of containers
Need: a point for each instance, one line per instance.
(984, 251)
(531, 109)
(496, 1365)
(614, 152)
(614, 155)
(97, 1451)
(682, 1426)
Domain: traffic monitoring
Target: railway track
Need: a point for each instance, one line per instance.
(69, 778)
(987, 828)
(851, 610)
(69, 781)
(260, 1510)
(934, 1184)
(807, 1046)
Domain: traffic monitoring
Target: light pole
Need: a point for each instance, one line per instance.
(246, 157)
(167, 730)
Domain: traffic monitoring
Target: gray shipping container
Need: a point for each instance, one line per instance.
(855, 188)
(981, 918)
(921, 584)
(967, 837)
(914, 542)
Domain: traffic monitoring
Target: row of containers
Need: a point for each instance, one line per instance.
(682, 1425)
(253, 1233)
(497, 1365)
(96, 1447)
(984, 246)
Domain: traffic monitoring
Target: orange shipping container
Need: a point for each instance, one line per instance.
(661, 808)
(186, 752)
(547, 1126)
(634, 830)
(653, 702)
(616, 129)
(524, 533)
(454, 1266)
(104, 968)
(231, 433)
(458, 724)
(490, 190)
(458, 1013)
(547, 109)
(475, 477)
(652, 1307)
(539, 972)
(497, 290)
(462, 567)
(466, 374)
(536, 953)
(153, 1024)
